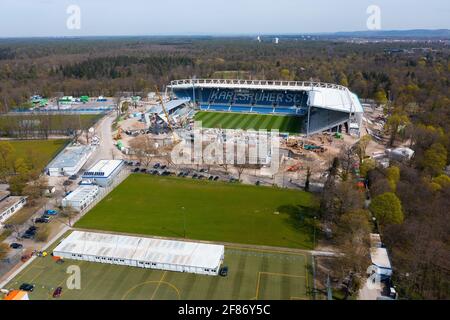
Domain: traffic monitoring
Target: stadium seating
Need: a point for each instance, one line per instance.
(219, 107)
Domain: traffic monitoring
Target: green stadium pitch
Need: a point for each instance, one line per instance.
(206, 210)
(244, 121)
(258, 274)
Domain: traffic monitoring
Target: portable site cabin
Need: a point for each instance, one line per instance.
(150, 253)
(380, 262)
(69, 161)
(81, 197)
(104, 172)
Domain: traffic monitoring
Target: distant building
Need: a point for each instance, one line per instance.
(400, 154)
(81, 197)
(69, 161)
(104, 172)
(9, 205)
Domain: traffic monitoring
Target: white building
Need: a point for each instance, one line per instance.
(380, 262)
(9, 205)
(69, 161)
(141, 252)
(104, 172)
(81, 197)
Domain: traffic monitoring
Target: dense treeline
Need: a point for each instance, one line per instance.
(123, 66)
(101, 66)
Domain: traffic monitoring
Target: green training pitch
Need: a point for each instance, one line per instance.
(229, 120)
(215, 211)
(253, 274)
(39, 152)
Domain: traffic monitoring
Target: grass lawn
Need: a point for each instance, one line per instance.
(253, 274)
(216, 211)
(228, 120)
(41, 151)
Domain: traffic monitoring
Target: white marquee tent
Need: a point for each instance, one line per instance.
(149, 253)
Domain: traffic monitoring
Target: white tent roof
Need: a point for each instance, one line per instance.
(380, 258)
(142, 249)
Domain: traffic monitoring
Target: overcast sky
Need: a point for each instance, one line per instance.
(26, 18)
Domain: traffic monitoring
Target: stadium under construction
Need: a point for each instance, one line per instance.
(318, 107)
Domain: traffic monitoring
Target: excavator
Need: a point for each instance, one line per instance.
(161, 100)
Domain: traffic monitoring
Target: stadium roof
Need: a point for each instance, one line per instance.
(172, 104)
(142, 249)
(321, 95)
(69, 157)
(102, 168)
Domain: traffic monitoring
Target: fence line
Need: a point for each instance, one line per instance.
(103, 192)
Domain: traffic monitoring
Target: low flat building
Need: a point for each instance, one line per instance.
(380, 262)
(104, 172)
(81, 197)
(69, 161)
(149, 253)
(9, 205)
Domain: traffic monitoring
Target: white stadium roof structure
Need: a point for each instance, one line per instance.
(325, 96)
(142, 252)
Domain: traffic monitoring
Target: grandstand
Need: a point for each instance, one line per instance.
(318, 106)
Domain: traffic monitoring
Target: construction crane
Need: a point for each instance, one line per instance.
(175, 136)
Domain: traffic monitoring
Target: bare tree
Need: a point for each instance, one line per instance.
(144, 149)
(69, 213)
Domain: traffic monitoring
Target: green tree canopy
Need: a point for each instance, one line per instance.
(387, 208)
(435, 159)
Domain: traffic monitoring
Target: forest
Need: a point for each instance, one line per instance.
(412, 85)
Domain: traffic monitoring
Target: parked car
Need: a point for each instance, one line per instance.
(27, 287)
(194, 176)
(165, 173)
(216, 178)
(86, 182)
(157, 165)
(15, 245)
(73, 177)
(223, 272)
(155, 172)
(136, 170)
(57, 292)
(211, 177)
(27, 236)
(143, 170)
(257, 183)
(163, 167)
(42, 219)
(67, 183)
(51, 212)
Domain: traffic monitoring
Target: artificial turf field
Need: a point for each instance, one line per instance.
(229, 120)
(214, 211)
(253, 274)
